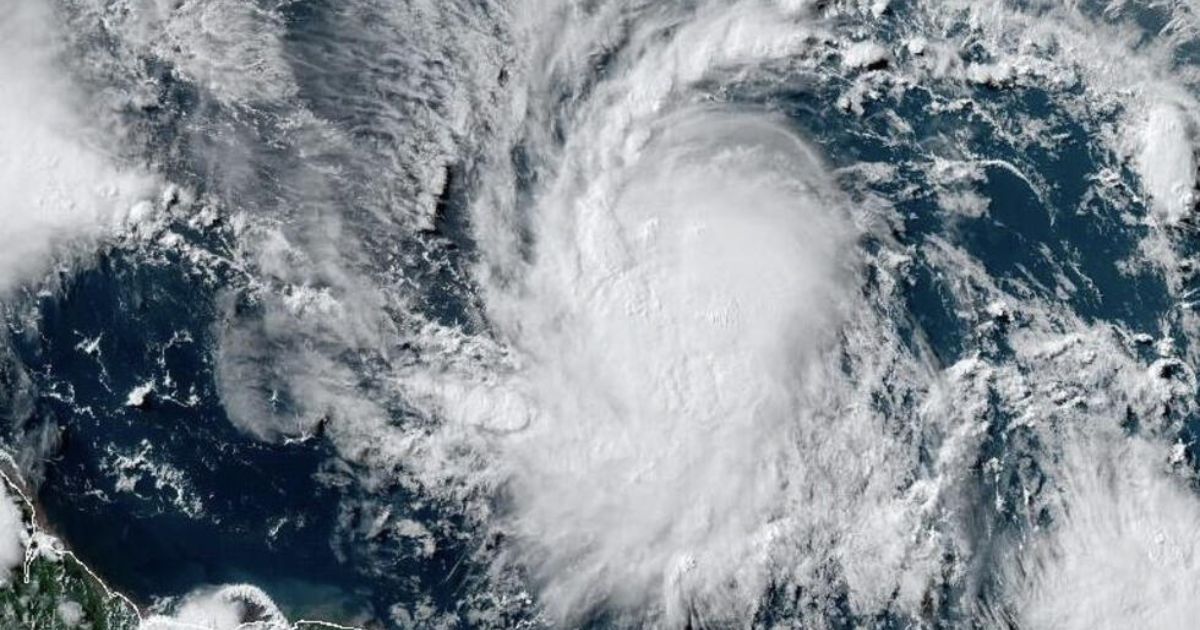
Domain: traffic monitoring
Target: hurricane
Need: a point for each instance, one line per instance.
(383, 314)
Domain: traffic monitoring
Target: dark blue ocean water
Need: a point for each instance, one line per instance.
(292, 518)
(288, 517)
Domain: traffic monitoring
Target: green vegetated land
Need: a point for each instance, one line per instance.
(52, 589)
(58, 593)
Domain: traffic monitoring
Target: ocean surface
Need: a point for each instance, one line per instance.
(611, 314)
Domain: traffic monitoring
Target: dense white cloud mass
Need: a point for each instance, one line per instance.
(58, 187)
(230, 47)
(12, 536)
(695, 381)
(1125, 550)
(676, 429)
(688, 373)
(1167, 162)
(234, 607)
(660, 452)
(668, 326)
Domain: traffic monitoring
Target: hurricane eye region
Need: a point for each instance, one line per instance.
(666, 327)
(605, 314)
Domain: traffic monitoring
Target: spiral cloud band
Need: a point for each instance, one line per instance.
(603, 313)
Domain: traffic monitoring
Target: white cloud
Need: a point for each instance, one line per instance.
(1166, 162)
(686, 399)
(12, 535)
(230, 47)
(233, 607)
(678, 427)
(669, 330)
(69, 612)
(1124, 550)
(57, 186)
